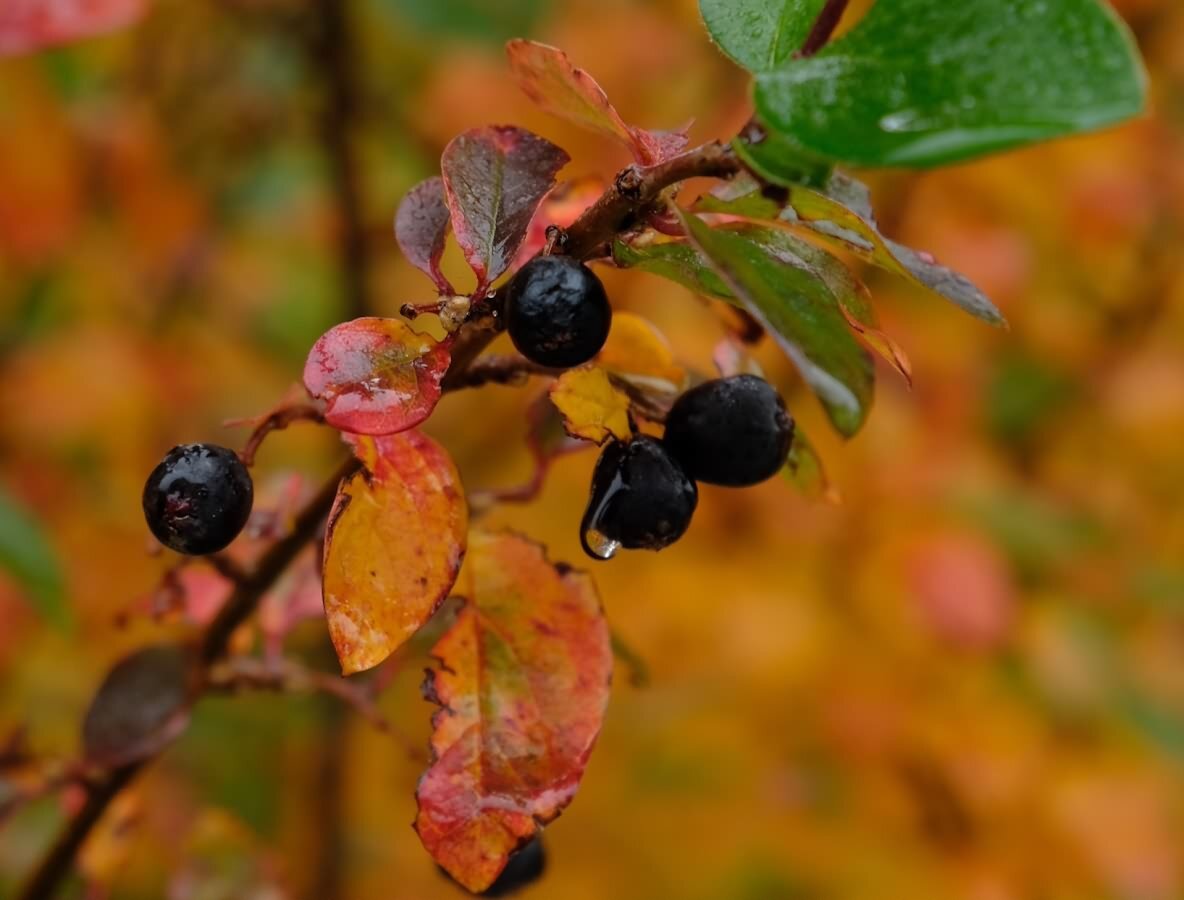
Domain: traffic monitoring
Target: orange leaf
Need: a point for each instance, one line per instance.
(591, 406)
(376, 375)
(638, 352)
(394, 544)
(551, 80)
(523, 682)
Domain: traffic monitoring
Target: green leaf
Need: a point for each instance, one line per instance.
(759, 34)
(793, 303)
(777, 158)
(925, 82)
(26, 555)
(676, 261)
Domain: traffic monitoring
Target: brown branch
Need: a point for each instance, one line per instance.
(635, 192)
(824, 27)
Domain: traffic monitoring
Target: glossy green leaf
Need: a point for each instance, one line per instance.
(797, 308)
(759, 34)
(677, 261)
(925, 82)
(779, 159)
(26, 555)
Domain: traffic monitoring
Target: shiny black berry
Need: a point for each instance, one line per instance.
(198, 499)
(557, 312)
(731, 431)
(641, 499)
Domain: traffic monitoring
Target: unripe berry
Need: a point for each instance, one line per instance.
(641, 499)
(732, 431)
(198, 499)
(557, 312)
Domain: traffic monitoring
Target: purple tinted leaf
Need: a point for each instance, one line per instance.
(141, 706)
(421, 224)
(495, 179)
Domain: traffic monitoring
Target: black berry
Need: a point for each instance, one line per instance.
(557, 312)
(641, 499)
(198, 499)
(731, 431)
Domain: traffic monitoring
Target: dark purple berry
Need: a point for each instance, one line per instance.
(732, 431)
(641, 499)
(557, 312)
(198, 499)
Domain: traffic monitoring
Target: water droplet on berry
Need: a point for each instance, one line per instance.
(597, 545)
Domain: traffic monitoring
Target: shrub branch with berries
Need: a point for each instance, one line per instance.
(524, 662)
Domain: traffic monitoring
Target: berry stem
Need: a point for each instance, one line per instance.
(824, 27)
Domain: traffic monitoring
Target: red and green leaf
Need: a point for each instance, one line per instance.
(393, 546)
(523, 682)
(376, 375)
(551, 80)
(495, 178)
(28, 25)
(421, 225)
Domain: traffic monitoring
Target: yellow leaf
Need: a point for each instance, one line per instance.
(592, 408)
(636, 350)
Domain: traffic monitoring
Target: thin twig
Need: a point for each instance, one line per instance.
(824, 27)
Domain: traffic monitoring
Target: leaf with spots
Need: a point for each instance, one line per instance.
(393, 546)
(522, 682)
(421, 225)
(495, 178)
(376, 375)
(593, 408)
(558, 86)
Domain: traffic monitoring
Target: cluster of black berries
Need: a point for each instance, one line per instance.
(198, 499)
(731, 431)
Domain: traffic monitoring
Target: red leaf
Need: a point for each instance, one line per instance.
(523, 681)
(376, 375)
(495, 178)
(561, 208)
(393, 546)
(551, 80)
(27, 25)
(421, 225)
(141, 706)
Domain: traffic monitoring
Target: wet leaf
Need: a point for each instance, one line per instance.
(376, 375)
(393, 546)
(637, 352)
(924, 82)
(592, 407)
(551, 80)
(142, 706)
(421, 225)
(676, 260)
(778, 159)
(841, 215)
(759, 34)
(28, 25)
(794, 304)
(495, 179)
(27, 556)
(522, 682)
(849, 292)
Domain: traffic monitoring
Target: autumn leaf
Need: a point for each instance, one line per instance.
(593, 408)
(27, 25)
(495, 178)
(421, 225)
(552, 81)
(638, 352)
(142, 706)
(522, 682)
(560, 208)
(804, 470)
(376, 375)
(393, 546)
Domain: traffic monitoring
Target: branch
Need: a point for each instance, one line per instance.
(824, 27)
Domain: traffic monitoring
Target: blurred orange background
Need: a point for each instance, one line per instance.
(964, 681)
